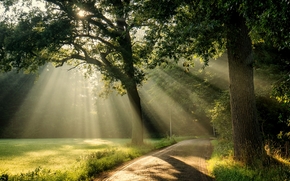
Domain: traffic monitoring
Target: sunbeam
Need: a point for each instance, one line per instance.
(175, 102)
(57, 106)
(61, 103)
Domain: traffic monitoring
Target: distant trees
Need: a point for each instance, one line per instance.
(209, 28)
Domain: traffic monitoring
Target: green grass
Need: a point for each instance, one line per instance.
(224, 168)
(23, 155)
(67, 159)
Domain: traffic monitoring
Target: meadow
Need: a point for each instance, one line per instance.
(67, 159)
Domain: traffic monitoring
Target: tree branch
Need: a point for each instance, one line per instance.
(101, 40)
(63, 61)
(104, 28)
(76, 66)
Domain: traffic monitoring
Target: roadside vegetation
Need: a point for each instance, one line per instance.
(223, 167)
(68, 159)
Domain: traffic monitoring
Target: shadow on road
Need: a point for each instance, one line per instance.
(188, 161)
(184, 172)
(184, 161)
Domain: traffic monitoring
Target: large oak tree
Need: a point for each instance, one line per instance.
(209, 28)
(97, 34)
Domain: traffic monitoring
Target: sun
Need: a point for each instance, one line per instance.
(82, 13)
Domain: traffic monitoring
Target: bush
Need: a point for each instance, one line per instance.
(104, 160)
(165, 142)
(274, 120)
(4, 177)
(221, 117)
(40, 174)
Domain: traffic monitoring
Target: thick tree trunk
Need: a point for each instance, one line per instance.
(137, 122)
(248, 145)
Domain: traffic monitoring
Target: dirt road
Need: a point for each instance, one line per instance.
(185, 161)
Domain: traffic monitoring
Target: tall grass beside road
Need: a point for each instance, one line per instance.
(223, 167)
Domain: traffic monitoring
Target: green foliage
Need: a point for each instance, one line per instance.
(273, 109)
(274, 64)
(238, 172)
(222, 148)
(105, 36)
(40, 174)
(200, 36)
(165, 142)
(273, 117)
(221, 118)
(281, 90)
(232, 173)
(4, 177)
(105, 160)
(269, 20)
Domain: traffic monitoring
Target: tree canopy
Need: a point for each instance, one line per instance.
(86, 31)
(200, 27)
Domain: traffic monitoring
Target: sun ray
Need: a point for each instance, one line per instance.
(62, 103)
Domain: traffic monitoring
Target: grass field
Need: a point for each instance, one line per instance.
(67, 159)
(23, 155)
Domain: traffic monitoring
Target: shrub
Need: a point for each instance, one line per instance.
(274, 120)
(221, 117)
(4, 177)
(104, 160)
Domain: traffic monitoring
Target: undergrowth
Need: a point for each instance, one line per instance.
(224, 168)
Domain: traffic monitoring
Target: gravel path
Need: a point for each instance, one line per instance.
(183, 161)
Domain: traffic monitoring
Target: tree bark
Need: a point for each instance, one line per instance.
(247, 139)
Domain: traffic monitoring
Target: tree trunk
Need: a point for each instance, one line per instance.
(137, 121)
(125, 43)
(248, 145)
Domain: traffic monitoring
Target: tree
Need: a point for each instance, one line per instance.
(209, 28)
(100, 35)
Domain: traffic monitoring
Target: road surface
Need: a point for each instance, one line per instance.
(184, 161)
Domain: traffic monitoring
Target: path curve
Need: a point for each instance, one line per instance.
(184, 161)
